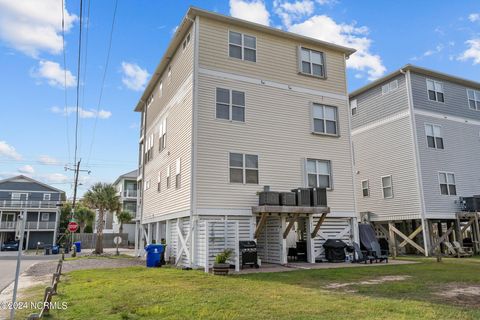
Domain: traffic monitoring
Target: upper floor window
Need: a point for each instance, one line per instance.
(168, 177)
(365, 188)
(325, 119)
(45, 216)
(178, 176)
(243, 168)
(312, 62)
(162, 135)
(473, 99)
(186, 41)
(147, 185)
(447, 183)
(149, 148)
(149, 101)
(242, 46)
(435, 90)
(47, 196)
(387, 187)
(160, 89)
(159, 181)
(230, 105)
(389, 87)
(434, 136)
(169, 74)
(353, 107)
(319, 173)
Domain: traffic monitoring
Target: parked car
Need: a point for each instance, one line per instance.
(10, 246)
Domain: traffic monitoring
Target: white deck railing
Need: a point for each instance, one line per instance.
(28, 204)
(29, 225)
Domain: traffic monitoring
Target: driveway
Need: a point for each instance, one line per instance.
(8, 264)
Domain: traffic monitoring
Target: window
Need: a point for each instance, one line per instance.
(149, 101)
(387, 187)
(169, 74)
(243, 168)
(230, 105)
(177, 174)
(159, 181)
(435, 90)
(447, 183)
(242, 46)
(168, 177)
(311, 62)
(16, 196)
(365, 188)
(46, 196)
(160, 89)
(434, 136)
(353, 107)
(319, 173)
(324, 119)
(389, 87)
(162, 135)
(186, 41)
(149, 149)
(473, 99)
(45, 216)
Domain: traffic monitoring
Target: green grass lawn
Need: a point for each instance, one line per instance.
(167, 293)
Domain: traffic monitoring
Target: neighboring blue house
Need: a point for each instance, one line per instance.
(40, 201)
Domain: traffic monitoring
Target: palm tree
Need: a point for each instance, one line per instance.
(84, 216)
(123, 217)
(103, 197)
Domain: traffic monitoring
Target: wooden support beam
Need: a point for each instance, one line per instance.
(407, 239)
(318, 225)
(469, 223)
(385, 231)
(476, 245)
(290, 225)
(458, 229)
(393, 245)
(412, 236)
(261, 223)
(441, 239)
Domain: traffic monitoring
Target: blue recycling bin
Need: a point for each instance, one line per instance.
(154, 253)
(78, 245)
(55, 249)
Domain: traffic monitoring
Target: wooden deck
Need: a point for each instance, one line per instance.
(290, 209)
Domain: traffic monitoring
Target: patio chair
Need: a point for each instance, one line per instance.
(380, 255)
(462, 251)
(450, 249)
(361, 256)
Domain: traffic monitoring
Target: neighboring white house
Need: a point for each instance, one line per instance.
(416, 142)
(234, 106)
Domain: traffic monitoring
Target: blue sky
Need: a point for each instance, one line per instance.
(442, 35)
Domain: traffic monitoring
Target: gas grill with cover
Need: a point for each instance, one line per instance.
(248, 250)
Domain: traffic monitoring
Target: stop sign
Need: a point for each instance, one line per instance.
(72, 226)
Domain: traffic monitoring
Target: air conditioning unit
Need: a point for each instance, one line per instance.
(303, 197)
(472, 204)
(268, 198)
(288, 199)
(319, 197)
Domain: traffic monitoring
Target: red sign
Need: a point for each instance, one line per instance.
(72, 226)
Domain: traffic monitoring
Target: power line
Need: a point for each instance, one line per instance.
(84, 82)
(103, 81)
(79, 60)
(65, 78)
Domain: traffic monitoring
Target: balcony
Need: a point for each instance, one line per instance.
(29, 225)
(26, 204)
(129, 194)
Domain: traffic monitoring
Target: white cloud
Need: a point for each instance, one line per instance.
(54, 74)
(134, 77)
(8, 151)
(325, 2)
(44, 159)
(325, 28)
(54, 178)
(293, 11)
(83, 113)
(474, 17)
(473, 51)
(33, 26)
(254, 11)
(26, 169)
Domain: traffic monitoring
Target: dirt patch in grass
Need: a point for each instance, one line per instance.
(379, 280)
(461, 294)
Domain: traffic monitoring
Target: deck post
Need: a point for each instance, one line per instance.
(283, 223)
(477, 234)
(392, 240)
(458, 229)
(440, 234)
(310, 240)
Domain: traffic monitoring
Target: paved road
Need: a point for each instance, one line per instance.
(8, 264)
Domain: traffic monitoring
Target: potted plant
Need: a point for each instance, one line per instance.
(221, 267)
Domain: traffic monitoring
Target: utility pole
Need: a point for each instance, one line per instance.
(19, 235)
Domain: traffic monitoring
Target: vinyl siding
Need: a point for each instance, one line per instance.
(269, 241)
(460, 156)
(278, 130)
(276, 58)
(387, 150)
(372, 105)
(456, 101)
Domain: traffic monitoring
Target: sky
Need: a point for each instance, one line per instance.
(38, 95)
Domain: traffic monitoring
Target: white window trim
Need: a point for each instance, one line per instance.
(231, 105)
(43, 215)
(368, 188)
(448, 184)
(242, 46)
(168, 177)
(384, 187)
(443, 90)
(160, 89)
(162, 134)
(244, 168)
(353, 106)
(18, 195)
(312, 122)
(387, 87)
(434, 136)
(47, 197)
(169, 74)
(300, 67)
(477, 102)
(330, 176)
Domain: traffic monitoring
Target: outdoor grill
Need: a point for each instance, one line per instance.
(248, 250)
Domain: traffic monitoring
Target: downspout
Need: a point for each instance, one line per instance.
(142, 158)
(193, 163)
(425, 231)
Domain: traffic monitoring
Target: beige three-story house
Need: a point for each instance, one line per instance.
(234, 106)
